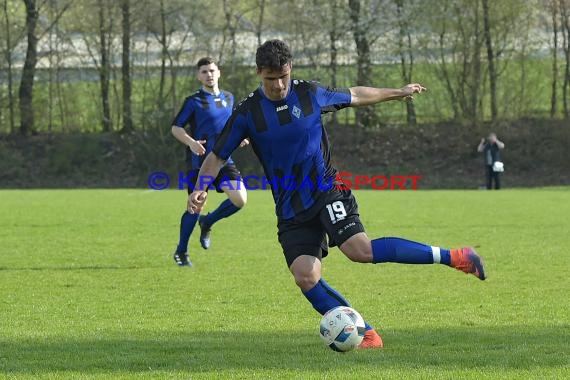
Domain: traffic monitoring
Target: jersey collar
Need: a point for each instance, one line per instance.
(210, 93)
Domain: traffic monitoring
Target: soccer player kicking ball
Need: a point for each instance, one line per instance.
(282, 119)
(206, 112)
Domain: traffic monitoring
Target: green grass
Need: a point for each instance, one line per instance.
(88, 289)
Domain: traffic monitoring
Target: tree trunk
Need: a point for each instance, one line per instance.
(27, 82)
(259, 26)
(565, 21)
(126, 67)
(554, 90)
(334, 36)
(52, 51)
(225, 6)
(490, 59)
(474, 68)
(9, 62)
(231, 28)
(105, 67)
(365, 116)
(445, 75)
(406, 54)
(163, 56)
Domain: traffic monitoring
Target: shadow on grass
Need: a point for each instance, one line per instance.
(206, 351)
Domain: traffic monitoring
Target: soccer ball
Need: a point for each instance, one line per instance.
(342, 328)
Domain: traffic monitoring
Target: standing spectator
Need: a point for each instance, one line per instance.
(491, 148)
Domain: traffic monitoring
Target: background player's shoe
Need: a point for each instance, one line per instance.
(182, 259)
(204, 232)
(371, 340)
(467, 260)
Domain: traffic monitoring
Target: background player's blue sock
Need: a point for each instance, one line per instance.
(323, 298)
(225, 209)
(396, 250)
(187, 223)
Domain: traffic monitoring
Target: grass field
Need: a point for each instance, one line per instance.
(88, 289)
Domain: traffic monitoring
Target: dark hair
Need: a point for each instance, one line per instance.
(204, 61)
(273, 54)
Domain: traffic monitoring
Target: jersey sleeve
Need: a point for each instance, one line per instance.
(331, 99)
(184, 114)
(232, 135)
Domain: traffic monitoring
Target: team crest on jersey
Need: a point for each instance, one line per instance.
(296, 112)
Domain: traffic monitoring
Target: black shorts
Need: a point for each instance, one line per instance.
(227, 173)
(338, 218)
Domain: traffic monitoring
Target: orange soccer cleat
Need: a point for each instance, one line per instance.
(468, 261)
(371, 340)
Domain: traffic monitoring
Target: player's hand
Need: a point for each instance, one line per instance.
(197, 147)
(197, 201)
(411, 89)
(244, 142)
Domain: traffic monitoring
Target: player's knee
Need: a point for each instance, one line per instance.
(305, 281)
(238, 197)
(358, 249)
(360, 256)
(239, 202)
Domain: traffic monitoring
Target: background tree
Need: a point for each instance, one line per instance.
(12, 35)
(406, 49)
(126, 65)
(565, 22)
(26, 91)
(490, 59)
(552, 6)
(364, 116)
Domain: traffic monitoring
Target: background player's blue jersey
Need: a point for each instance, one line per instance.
(205, 114)
(290, 141)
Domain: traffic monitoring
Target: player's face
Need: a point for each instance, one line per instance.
(209, 75)
(275, 83)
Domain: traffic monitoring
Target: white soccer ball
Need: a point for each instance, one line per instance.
(342, 328)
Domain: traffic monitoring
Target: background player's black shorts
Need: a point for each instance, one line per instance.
(338, 218)
(227, 173)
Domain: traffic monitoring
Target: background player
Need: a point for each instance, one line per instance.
(205, 112)
(282, 118)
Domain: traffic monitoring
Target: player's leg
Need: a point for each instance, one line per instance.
(229, 182)
(187, 223)
(346, 231)
(303, 247)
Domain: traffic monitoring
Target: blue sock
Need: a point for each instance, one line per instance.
(323, 298)
(187, 223)
(225, 209)
(396, 250)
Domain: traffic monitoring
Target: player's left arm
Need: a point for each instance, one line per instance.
(364, 96)
(234, 132)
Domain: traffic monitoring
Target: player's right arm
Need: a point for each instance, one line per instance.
(196, 146)
(178, 131)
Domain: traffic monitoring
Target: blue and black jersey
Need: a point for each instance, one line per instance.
(290, 141)
(205, 114)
